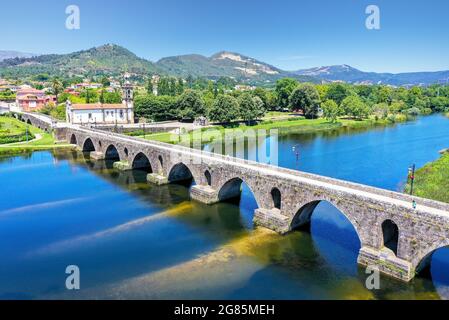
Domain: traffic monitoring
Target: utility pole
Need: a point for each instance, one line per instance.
(411, 173)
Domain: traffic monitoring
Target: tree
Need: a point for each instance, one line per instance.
(224, 109)
(337, 92)
(105, 82)
(247, 107)
(355, 107)
(331, 110)
(263, 95)
(306, 98)
(283, 90)
(157, 108)
(112, 97)
(191, 105)
(190, 81)
(57, 87)
(150, 86)
(380, 110)
(163, 87)
(259, 107)
(180, 87)
(173, 87)
(439, 104)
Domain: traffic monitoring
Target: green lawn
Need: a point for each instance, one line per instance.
(432, 180)
(46, 142)
(13, 130)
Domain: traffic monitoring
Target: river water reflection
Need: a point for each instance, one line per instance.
(135, 240)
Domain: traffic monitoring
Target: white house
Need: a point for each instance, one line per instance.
(103, 113)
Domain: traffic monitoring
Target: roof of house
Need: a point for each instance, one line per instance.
(98, 106)
(30, 97)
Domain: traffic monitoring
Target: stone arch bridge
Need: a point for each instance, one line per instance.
(394, 236)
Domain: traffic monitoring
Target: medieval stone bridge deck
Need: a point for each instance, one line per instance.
(396, 238)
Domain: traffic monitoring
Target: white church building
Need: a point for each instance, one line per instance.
(103, 113)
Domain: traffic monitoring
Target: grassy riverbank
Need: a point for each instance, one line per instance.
(292, 125)
(13, 130)
(43, 140)
(432, 180)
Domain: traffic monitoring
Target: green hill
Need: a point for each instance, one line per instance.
(108, 59)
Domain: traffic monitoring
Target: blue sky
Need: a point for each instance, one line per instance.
(290, 34)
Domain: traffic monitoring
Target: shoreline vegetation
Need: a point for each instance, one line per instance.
(432, 180)
(15, 146)
(283, 126)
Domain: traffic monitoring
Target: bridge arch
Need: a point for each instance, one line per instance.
(276, 197)
(161, 162)
(141, 162)
(88, 145)
(29, 122)
(390, 234)
(208, 177)
(112, 153)
(303, 216)
(232, 189)
(423, 262)
(73, 139)
(180, 173)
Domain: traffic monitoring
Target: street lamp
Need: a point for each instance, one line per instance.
(295, 150)
(411, 175)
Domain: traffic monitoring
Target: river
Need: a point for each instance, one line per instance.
(131, 239)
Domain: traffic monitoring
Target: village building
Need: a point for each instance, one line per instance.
(103, 113)
(86, 85)
(29, 99)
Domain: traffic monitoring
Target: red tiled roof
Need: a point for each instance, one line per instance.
(96, 106)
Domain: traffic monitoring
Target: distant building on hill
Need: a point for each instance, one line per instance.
(87, 85)
(103, 113)
(29, 99)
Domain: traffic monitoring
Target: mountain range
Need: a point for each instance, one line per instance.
(4, 55)
(114, 60)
